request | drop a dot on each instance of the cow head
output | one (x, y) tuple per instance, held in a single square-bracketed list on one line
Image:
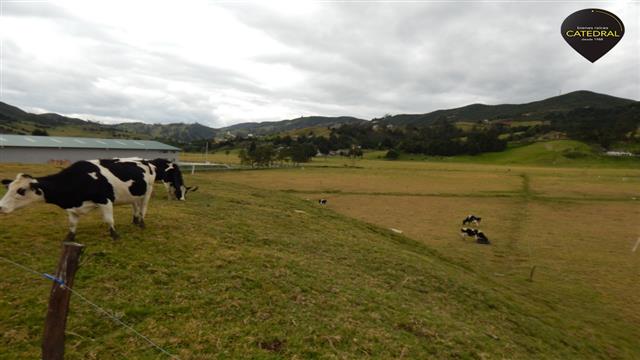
[(181, 191), (22, 191), (174, 177)]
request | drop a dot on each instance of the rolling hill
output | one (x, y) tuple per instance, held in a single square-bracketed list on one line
[(272, 127), (16, 121), (530, 111), (177, 132)]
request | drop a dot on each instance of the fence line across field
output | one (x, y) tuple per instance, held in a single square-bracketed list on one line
[(94, 305), (192, 167)]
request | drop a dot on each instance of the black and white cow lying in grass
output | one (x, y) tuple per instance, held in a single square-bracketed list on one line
[(84, 186), (464, 232), (169, 174), (480, 237), (471, 219)]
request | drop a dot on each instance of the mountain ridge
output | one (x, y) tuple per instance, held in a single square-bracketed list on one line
[(526, 111), (17, 121)]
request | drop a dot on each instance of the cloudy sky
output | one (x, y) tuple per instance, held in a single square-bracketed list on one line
[(220, 63)]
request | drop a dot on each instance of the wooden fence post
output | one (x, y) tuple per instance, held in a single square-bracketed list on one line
[(54, 327)]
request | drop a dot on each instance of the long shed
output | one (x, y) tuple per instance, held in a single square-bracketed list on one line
[(58, 149)]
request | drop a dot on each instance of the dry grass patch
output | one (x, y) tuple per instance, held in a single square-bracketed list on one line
[(376, 181), (588, 186), (591, 243)]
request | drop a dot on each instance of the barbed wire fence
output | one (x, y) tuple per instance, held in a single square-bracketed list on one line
[(97, 307)]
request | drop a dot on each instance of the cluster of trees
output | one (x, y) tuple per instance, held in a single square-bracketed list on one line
[(440, 137), (445, 139), (39, 132), (268, 154), (601, 126)]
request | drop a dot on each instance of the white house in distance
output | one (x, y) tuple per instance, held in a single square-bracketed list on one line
[(58, 149)]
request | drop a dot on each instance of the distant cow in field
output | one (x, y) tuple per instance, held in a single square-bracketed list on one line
[(467, 232), (168, 172), (481, 238), (84, 186), (471, 219), (322, 201)]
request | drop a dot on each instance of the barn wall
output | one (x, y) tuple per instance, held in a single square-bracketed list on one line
[(45, 155)]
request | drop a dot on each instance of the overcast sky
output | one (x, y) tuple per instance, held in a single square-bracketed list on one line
[(221, 63)]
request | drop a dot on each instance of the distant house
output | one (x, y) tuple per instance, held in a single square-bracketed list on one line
[(58, 149), (618, 153)]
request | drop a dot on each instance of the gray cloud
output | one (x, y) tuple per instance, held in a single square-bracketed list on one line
[(354, 59)]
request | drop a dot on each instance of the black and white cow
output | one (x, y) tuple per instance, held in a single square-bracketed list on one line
[(468, 232), (169, 173), (322, 201), (481, 238), (471, 219), (84, 186)]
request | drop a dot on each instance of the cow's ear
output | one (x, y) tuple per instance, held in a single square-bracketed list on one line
[(6, 182), (36, 188)]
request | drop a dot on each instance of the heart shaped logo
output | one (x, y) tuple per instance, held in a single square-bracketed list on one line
[(592, 32)]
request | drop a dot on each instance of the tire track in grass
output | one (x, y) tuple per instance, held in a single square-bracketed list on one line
[(512, 254), (481, 194)]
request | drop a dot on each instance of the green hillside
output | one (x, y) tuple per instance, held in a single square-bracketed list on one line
[(176, 132), (238, 272), (569, 153), (15, 121), (530, 111), (273, 127), (551, 153)]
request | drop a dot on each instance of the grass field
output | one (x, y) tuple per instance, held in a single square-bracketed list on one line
[(216, 157), (577, 226), (557, 153), (250, 266)]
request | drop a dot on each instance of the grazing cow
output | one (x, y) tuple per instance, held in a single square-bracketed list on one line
[(481, 238), (84, 186), (169, 173), (322, 201), (468, 232), (471, 219)]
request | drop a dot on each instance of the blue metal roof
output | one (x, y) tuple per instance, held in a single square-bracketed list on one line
[(27, 141)]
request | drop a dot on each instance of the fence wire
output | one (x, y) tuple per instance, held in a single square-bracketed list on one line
[(94, 305)]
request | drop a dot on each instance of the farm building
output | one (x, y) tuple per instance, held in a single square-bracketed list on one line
[(57, 149)]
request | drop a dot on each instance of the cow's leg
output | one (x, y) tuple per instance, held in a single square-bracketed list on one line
[(73, 225), (168, 187), (136, 213), (138, 205), (107, 216), (145, 204)]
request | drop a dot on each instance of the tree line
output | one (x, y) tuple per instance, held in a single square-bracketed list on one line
[(438, 138), (601, 126), (268, 154)]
